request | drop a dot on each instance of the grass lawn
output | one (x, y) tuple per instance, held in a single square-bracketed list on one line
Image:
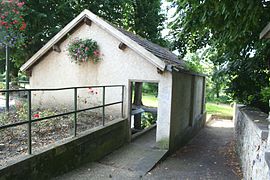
[(149, 100), (211, 108), (219, 109)]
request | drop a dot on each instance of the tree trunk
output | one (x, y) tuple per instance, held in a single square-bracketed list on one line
[(138, 103), (217, 94), (138, 94)]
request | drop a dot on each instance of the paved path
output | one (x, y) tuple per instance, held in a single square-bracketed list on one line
[(132, 161), (202, 158)]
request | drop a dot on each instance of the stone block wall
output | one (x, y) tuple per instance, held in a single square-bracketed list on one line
[(253, 145)]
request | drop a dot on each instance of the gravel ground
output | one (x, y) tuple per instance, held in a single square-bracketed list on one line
[(13, 141)]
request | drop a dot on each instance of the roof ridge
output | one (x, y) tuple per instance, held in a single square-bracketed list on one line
[(155, 54)]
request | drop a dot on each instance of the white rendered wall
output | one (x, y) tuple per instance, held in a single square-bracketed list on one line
[(116, 67)]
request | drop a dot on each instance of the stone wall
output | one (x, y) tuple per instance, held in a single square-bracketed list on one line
[(69, 154), (253, 145)]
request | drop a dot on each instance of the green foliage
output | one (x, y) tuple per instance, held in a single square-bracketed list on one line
[(193, 63), (146, 20), (265, 93), (4, 119), (148, 119), (2, 86), (21, 110), (224, 98), (231, 29), (42, 125), (83, 50), (150, 88), (216, 78)]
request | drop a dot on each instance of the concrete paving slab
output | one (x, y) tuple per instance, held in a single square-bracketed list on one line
[(132, 161)]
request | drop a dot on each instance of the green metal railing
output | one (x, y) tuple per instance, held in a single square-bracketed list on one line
[(30, 120)]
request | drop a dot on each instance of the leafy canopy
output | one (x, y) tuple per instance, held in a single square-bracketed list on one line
[(231, 29)]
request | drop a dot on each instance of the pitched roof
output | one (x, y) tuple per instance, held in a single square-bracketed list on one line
[(164, 54), (155, 54)]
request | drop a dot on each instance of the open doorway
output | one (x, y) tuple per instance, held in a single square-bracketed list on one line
[(144, 106)]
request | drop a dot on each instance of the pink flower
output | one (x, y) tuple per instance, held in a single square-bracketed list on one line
[(15, 22), (23, 26), (96, 53), (3, 23), (20, 4), (86, 49), (36, 115), (14, 10)]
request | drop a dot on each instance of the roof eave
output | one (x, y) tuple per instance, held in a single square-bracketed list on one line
[(105, 26), (126, 40), (52, 42), (265, 32)]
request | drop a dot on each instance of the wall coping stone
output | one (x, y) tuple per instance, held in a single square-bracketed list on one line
[(259, 120), (267, 158)]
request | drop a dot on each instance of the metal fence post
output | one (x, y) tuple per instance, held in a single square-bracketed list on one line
[(7, 78), (29, 123), (122, 104), (75, 111), (103, 106)]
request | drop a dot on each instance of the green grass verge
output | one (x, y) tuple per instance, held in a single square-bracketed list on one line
[(149, 100), (219, 109), (211, 108)]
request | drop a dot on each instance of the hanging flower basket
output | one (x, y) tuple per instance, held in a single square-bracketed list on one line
[(12, 23), (83, 51)]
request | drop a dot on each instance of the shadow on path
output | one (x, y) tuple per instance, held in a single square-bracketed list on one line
[(132, 161), (202, 158)]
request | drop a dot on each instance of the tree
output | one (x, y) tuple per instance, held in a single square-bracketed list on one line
[(146, 19), (11, 26), (46, 18), (231, 28)]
